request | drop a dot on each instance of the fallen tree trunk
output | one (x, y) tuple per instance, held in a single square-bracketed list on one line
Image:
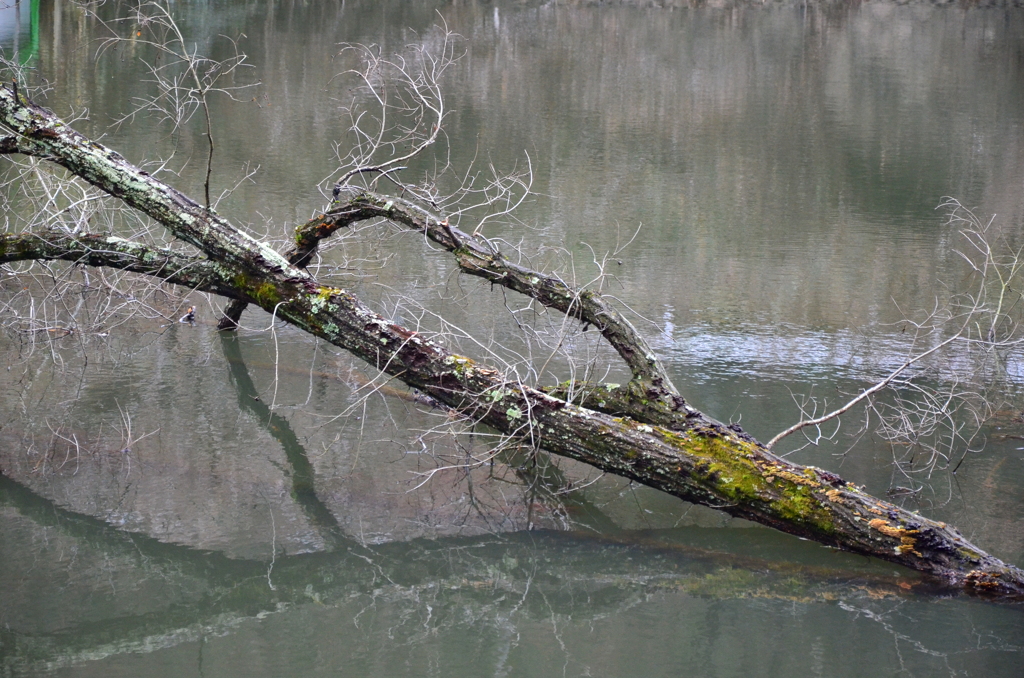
[(646, 432)]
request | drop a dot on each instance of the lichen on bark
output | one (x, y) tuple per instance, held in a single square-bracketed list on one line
[(646, 432)]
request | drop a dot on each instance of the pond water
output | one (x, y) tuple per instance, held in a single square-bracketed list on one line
[(177, 502)]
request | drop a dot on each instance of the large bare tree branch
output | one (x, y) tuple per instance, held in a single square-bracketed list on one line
[(480, 258), (114, 252), (704, 462), (41, 134)]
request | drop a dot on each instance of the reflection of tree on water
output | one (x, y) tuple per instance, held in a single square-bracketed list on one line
[(499, 583), (520, 579), (428, 590), (431, 602), (301, 472), (545, 483), (14, 15)]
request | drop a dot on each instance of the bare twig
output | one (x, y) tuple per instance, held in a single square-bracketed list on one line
[(935, 415)]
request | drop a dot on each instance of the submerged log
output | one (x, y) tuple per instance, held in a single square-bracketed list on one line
[(666, 445)]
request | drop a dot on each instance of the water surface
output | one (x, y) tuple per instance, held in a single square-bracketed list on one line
[(180, 503)]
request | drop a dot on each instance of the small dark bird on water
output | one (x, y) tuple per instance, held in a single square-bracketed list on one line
[(189, 317)]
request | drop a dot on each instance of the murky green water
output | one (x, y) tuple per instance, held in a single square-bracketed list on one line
[(179, 503)]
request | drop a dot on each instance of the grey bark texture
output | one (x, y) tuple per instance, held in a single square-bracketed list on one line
[(644, 431)]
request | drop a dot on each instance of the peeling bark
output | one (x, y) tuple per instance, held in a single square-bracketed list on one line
[(9, 145), (669, 447)]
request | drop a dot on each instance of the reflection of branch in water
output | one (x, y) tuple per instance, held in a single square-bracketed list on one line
[(142, 551), (544, 478), (553, 487), (302, 475), (201, 592), (899, 639), (493, 579)]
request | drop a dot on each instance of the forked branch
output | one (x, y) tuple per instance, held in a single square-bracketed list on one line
[(706, 463), (481, 258)]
